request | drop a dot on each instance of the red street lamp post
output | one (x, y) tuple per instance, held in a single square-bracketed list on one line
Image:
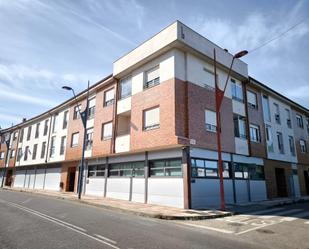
[(219, 94)]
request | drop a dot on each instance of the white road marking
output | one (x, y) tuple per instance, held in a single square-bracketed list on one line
[(59, 222), (28, 200), (296, 216), (257, 227), (208, 228), (265, 211), (290, 211), (104, 238), (307, 222)]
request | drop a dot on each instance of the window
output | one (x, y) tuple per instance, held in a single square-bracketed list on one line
[(152, 77), (208, 168), (307, 125), (292, 145), (37, 130), (55, 123), (15, 135), (12, 155), (19, 154), (125, 87), (96, 170), (269, 139), (299, 121), (63, 144), (152, 118), (240, 126), (277, 113), (1, 155), (241, 170), (288, 118), (52, 146), (266, 110), (255, 133), (29, 133), (127, 169), (168, 167), (210, 121), (237, 93), (252, 100), (89, 139), (107, 131), (26, 153), (303, 146), (91, 108), (109, 97), (65, 119), (45, 127), (76, 114), (34, 151), (43, 149), (256, 172), (21, 135), (280, 142), (74, 141)]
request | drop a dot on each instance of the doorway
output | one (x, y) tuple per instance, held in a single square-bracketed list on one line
[(8, 180), (306, 175), (281, 183), (71, 179)]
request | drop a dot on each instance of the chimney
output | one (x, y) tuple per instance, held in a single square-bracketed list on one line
[(24, 120), (226, 50)]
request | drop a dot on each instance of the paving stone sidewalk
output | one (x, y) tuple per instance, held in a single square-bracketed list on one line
[(141, 209)]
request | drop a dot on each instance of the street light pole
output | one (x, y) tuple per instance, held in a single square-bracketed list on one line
[(84, 117), (219, 95)]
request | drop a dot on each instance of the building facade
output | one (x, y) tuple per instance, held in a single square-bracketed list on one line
[(151, 132)]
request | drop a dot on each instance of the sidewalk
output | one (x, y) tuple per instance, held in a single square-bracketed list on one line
[(255, 206), (141, 209)]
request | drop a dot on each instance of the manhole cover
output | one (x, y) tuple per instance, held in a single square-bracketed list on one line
[(265, 231)]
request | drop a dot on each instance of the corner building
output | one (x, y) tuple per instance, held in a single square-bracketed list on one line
[(151, 132)]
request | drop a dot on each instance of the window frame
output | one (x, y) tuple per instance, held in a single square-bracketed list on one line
[(252, 105), (102, 131), (111, 101), (127, 95), (154, 126), (303, 147), (165, 168), (257, 133), (154, 82), (74, 145)]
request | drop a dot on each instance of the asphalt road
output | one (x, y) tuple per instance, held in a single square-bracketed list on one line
[(34, 221)]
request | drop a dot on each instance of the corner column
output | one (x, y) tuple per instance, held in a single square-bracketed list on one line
[(186, 174)]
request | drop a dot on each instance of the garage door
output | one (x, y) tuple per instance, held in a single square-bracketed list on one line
[(52, 179), (39, 179), (19, 178), (30, 176)]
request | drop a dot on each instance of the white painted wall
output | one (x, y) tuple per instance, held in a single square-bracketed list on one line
[(95, 186), (138, 190), (118, 188), (124, 105), (283, 128), (39, 180), (166, 191), (258, 190), (241, 146), (52, 179), (19, 178)]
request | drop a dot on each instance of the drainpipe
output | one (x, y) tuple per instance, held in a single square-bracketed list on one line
[(247, 117)]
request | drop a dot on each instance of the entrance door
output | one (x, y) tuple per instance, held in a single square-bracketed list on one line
[(306, 174), (8, 180), (71, 179), (281, 183)]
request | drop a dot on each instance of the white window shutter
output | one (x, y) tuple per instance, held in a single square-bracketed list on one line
[(251, 97), (152, 74), (91, 102), (109, 95), (210, 117), (152, 117), (108, 128)]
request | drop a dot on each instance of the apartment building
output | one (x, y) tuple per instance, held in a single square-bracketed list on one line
[(151, 132)]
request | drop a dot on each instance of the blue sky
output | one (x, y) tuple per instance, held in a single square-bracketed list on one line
[(46, 44)]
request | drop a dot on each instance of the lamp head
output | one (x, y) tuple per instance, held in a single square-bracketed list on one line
[(67, 88), (240, 54)]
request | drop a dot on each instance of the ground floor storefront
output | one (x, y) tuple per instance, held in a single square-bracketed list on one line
[(179, 177)]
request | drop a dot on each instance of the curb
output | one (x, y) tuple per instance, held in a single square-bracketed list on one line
[(138, 213)]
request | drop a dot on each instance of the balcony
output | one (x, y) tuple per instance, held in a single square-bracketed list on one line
[(122, 143), (124, 105)]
